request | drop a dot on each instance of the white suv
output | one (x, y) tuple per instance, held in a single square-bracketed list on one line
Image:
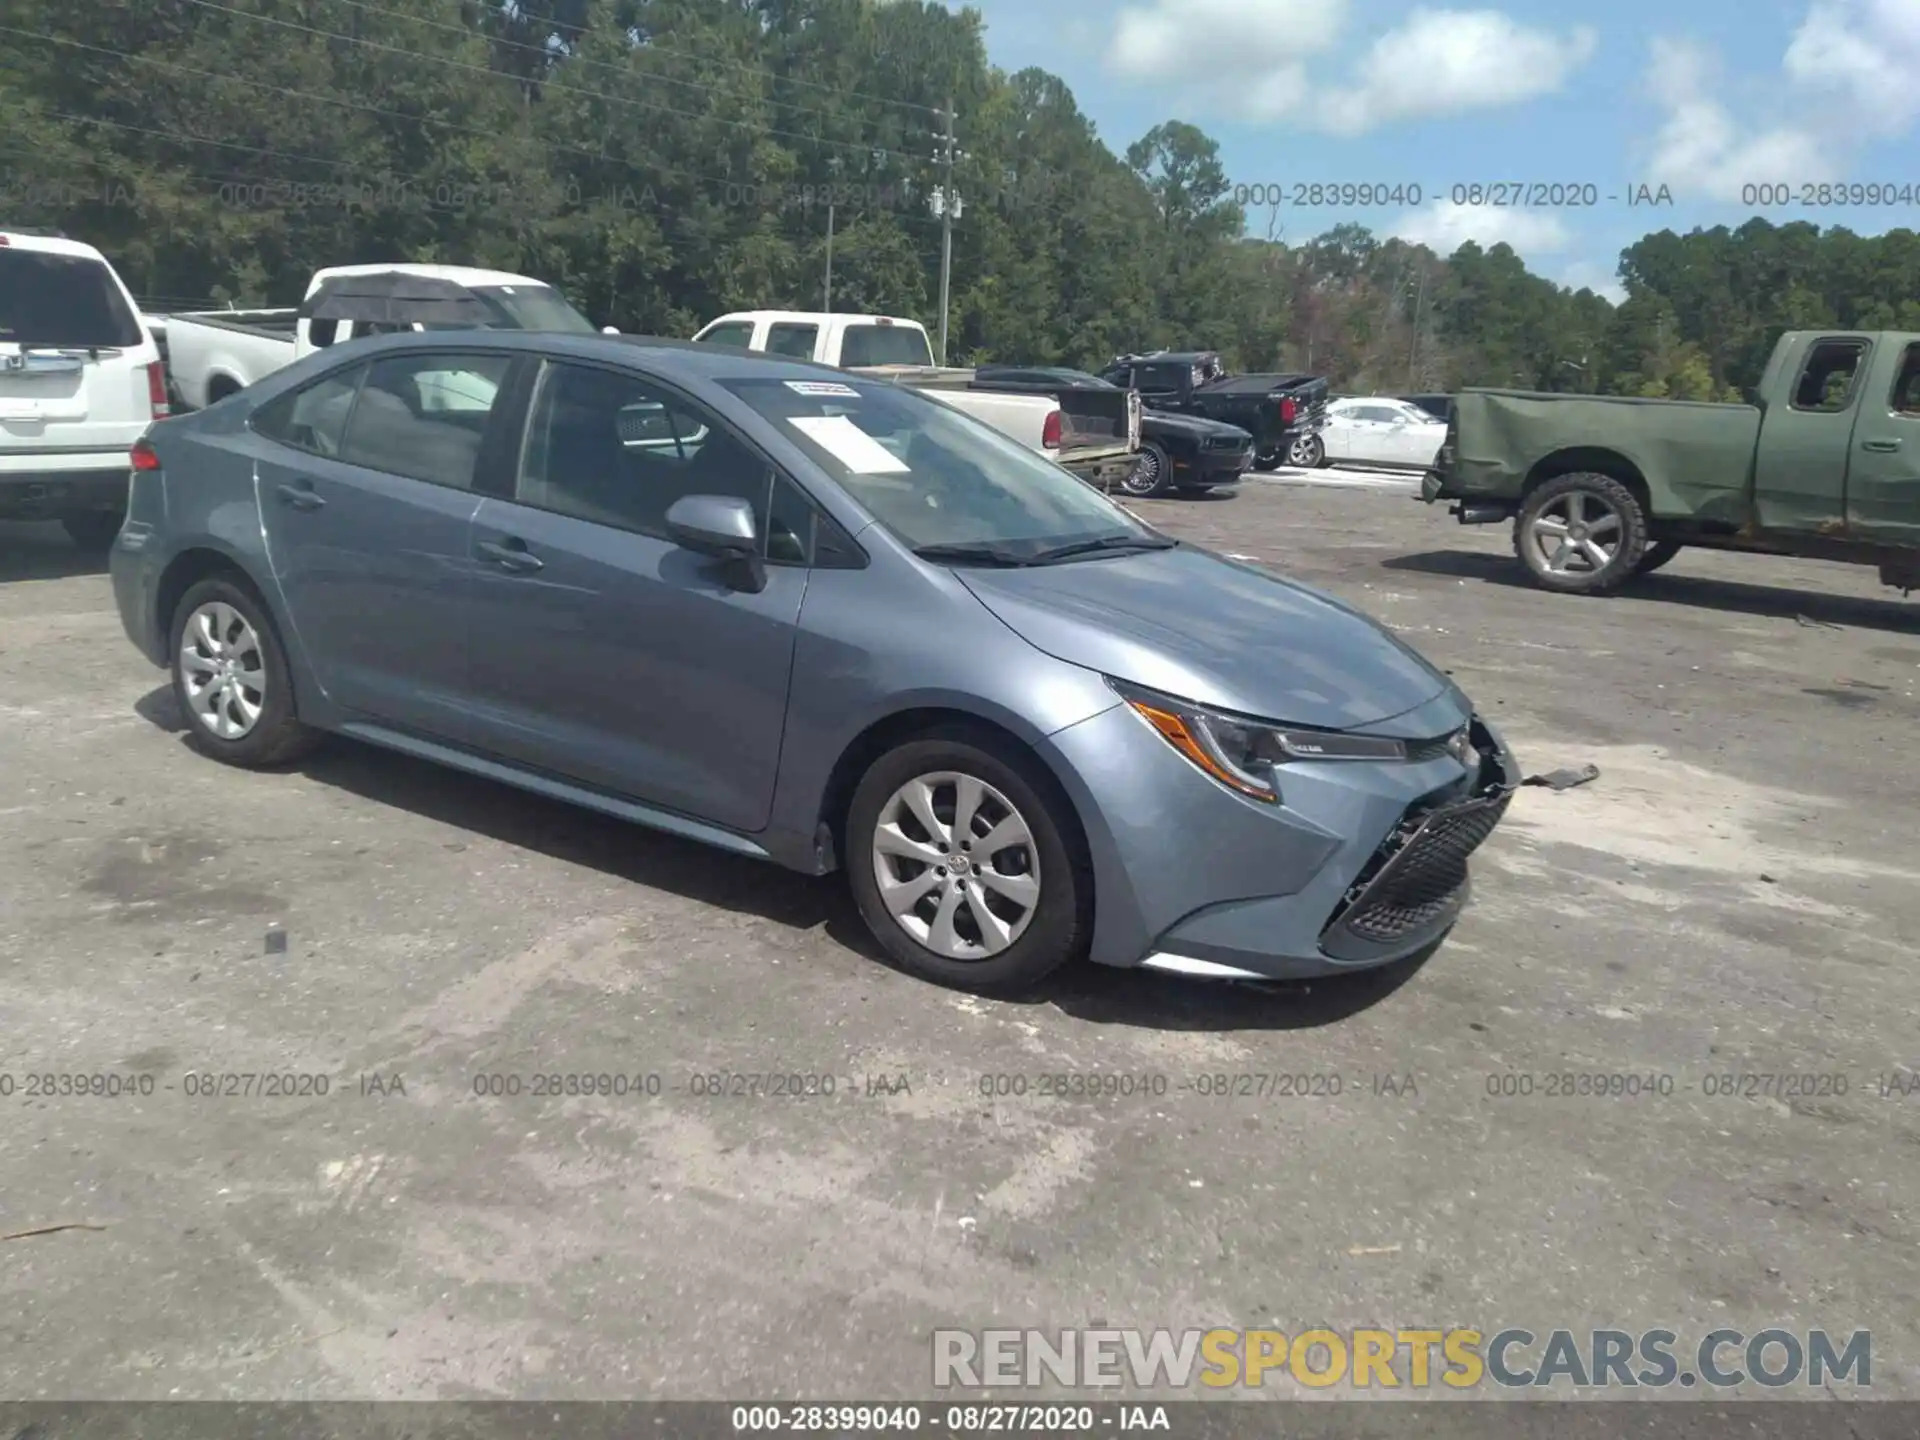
[(80, 380)]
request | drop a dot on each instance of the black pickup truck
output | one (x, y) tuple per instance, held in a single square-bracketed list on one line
[(1177, 452), (1283, 413)]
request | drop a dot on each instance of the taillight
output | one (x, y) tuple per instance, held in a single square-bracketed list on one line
[(144, 456), (157, 392), (1288, 409), (1050, 432)]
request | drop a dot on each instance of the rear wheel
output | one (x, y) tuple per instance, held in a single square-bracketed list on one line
[(966, 865), (1658, 554), (1307, 452), (92, 530), (1582, 534), (1267, 458), (1152, 469), (230, 678)]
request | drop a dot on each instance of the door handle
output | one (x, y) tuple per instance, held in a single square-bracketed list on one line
[(1880, 445), (511, 554), (301, 497)]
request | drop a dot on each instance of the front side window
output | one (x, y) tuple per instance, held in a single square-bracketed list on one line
[(735, 333), (424, 416), (614, 449), (313, 418), (932, 475), (1827, 380)]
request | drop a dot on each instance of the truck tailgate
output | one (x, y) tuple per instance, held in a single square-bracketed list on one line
[(1098, 422)]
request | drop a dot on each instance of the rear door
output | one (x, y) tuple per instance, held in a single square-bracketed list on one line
[(75, 357), (605, 652), (1883, 473), (1800, 469), (367, 493)]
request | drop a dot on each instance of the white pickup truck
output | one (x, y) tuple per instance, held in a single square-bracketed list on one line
[(214, 353), (1094, 433)]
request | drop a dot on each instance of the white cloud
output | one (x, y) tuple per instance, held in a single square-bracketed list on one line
[(1585, 275), (1441, 62), (1251, 59), (1848, 76), (1444, 227)]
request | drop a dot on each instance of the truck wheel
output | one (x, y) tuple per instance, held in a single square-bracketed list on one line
[(1308, 452), (92, 530), (1658, 554), (1582, 534), (1150, 473), (1265, 460)]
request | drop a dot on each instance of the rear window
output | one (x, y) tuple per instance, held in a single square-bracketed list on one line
[(64, 300), (884, 345)]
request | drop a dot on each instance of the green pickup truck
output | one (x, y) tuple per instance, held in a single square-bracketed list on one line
[(1825, 465)]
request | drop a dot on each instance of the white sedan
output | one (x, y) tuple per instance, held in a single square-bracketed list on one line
[(1377, 431)]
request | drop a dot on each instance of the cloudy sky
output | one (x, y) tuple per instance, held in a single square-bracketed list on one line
[(1705, 97)]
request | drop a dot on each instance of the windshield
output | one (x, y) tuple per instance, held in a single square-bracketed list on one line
[(884, 345), (64, 300), (932, 475), (532, 307)]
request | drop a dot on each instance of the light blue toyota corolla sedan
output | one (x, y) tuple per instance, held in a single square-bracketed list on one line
[(815, 618)]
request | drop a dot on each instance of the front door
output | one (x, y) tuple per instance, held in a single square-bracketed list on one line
[(1800, 470), (602, 650), (367, 495), (1883, 473)]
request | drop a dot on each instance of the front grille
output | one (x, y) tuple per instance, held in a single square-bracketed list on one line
[(1419, 873), (1225, 442)]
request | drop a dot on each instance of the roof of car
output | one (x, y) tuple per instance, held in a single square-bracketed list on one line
[(709, 362), (1171, 357), (48, 243)]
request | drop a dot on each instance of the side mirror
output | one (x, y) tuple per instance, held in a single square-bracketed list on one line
[(721, 526)]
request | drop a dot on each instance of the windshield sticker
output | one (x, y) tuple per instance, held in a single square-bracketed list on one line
[(849, 444), (823, 387)]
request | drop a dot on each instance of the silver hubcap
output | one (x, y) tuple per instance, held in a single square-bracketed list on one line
[(222, 671), (957, 866), (1146, 473), (1301, 451), (1576, 534)]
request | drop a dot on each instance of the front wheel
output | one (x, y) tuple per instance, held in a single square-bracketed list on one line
[(967, 866), (1581, 534), (230, 678), (1307, 452)]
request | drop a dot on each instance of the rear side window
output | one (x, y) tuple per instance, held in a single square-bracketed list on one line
[(883, 345), (1159, 379), (1828, 380), (425, 416), (796, 342), (737, 333), (313, 418), (64, 300)]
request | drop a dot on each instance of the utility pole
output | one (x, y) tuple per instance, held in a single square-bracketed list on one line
[(947, 205), (826, 291), (1413, 350)]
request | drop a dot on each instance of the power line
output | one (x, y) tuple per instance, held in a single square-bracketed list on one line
[(645, 105), (654, 46)]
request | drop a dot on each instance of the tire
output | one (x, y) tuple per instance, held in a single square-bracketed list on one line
[(1152, 472), (93, 530), (1658, 554), (1268, 459), (1309, 452), (275, 735), (1588, 510), (1015, 791)]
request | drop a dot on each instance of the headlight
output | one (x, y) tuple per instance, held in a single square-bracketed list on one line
[(1242, 753)]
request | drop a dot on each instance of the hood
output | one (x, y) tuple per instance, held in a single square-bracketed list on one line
[(1166, 422), (1190, 624)]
